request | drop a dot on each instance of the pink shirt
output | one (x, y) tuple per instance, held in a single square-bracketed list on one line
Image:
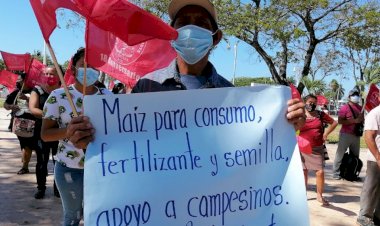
[(345, 113), (313, 129)]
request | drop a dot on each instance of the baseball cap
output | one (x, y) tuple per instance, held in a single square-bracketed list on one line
[(176, 5), (354, 90)]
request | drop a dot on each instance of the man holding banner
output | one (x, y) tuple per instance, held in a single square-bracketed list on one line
[(190, 70)]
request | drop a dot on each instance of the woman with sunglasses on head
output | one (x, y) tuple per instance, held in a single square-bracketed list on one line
[(57, 115)]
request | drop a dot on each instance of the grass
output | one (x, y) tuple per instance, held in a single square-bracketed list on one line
[(333, 138)]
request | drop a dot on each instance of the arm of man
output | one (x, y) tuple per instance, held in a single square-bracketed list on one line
[(33, 105), (370, 140)]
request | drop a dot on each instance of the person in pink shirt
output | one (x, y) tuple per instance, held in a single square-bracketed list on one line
[(314, 132), (348, 115)]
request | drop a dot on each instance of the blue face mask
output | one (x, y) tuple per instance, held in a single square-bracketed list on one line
[(193, 43), (91, 76)]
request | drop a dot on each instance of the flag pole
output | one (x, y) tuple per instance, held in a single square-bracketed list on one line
[(60, 74)]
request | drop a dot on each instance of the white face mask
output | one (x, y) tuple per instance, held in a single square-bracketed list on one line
[(355, 99)]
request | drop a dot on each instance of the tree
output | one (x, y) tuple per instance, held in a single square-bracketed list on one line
[(278, 29), (314, 86), (361, 45), (247, 81), (372, 74), (336, 91)]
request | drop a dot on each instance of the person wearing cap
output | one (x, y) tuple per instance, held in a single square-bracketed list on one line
[(198, 34), (349, 115)]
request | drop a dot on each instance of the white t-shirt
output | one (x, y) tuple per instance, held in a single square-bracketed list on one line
[(57, 107), (372, 122)]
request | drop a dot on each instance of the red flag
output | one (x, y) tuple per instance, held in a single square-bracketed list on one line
[(372, 100), (125, 63), (16, 62), (126, 21), (321, 100), (295, 93), (69, 75), (35, 76), (45, 13), (130, 23), (304, 145), (8, 79)]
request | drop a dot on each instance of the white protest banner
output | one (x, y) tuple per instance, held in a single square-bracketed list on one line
[(195, 157)]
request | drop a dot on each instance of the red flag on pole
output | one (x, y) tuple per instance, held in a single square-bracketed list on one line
[(69, 75), (8, 79), (35, 76), (121, 61), (45, 14), (127, 21), (372, 100), (295, 93), (16, 62)]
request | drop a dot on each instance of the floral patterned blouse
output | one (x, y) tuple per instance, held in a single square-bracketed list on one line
[(57, 108)]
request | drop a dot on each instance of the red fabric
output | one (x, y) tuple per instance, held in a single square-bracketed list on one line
[(295, 93), (130, 23), (304, 145), (8, 79), (346, 113), (125, 63), (321, 100), (69, 75), (45, 13), (313, 129), (372, 100), (34, 76), (126, 21), (16, 62)]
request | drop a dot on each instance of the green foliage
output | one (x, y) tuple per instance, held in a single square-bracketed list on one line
[(372, 74), (247, 81), (314, 86)]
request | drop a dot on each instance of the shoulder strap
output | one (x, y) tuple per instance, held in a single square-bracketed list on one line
[(352, 110), (40, 90)]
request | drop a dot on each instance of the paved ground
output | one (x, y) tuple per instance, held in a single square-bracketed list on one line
[(18, 206)]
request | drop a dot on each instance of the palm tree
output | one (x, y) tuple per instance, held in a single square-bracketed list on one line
[(314, 86), (337, 90), (372, 75)]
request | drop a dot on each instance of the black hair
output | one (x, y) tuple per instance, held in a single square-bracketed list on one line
[(79, 54), (23, 75), (309, 96), (117, 88)]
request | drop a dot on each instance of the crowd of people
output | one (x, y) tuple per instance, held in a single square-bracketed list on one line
[(58, 129)]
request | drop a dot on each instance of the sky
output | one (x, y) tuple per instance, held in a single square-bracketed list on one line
[(20, 33)]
